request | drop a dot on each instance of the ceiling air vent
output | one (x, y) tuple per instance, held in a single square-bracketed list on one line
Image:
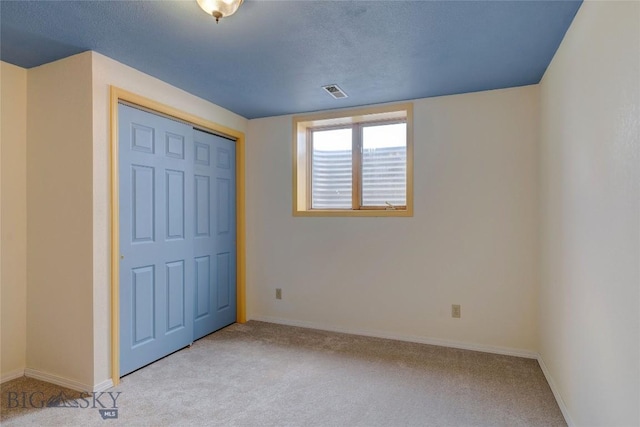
[(335, 91)]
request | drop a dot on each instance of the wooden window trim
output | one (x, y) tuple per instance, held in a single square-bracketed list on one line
[(356, 165), (357, 119)]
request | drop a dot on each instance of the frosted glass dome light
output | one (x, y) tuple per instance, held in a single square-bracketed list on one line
[(220, 8)]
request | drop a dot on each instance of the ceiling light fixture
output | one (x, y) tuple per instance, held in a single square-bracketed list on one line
[(220, 8)]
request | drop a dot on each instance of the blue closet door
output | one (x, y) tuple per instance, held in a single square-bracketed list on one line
[(214, 182), (177, 236), (156, 237)]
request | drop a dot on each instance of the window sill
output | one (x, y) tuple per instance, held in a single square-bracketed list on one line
[(360, 213)]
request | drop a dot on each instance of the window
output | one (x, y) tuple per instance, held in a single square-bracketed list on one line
[(354, 163)]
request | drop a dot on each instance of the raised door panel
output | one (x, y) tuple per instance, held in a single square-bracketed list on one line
[(176, 296), (143, 286), (203, 291), (202, 206), (175, 204)]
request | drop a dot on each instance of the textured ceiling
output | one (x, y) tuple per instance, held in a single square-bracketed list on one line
[(272, 57)]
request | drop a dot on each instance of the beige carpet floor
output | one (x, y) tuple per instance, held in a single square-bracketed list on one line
[(261, 374)]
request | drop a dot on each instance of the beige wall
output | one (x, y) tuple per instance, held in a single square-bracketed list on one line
[(472, 241), (68, 307), (108, 72), (68, 315), (590, 169), (13, 219), (59, 234)]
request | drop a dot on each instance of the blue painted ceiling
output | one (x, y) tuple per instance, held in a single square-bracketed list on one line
[(272, 57)]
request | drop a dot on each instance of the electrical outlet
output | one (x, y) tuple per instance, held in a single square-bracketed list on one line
[(455, 311), (278, 293)]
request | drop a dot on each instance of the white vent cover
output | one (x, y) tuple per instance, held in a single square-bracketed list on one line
[(335, 91)]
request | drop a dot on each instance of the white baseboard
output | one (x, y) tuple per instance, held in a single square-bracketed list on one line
[(57, 380), (104, 385), (556, 392), (401, 337), (11, 375)]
